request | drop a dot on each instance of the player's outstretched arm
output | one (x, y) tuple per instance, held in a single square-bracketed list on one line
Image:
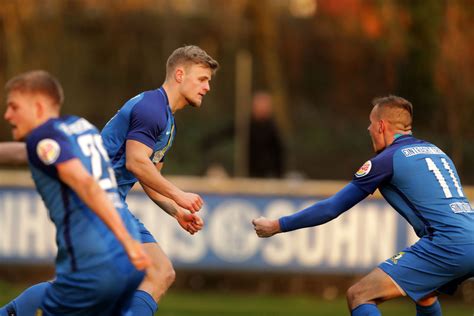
[(13, 153), (317, 214), (190, 222), (73, 173), (138, 162)]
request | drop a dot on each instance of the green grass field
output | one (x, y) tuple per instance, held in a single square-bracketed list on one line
[(218, 304)]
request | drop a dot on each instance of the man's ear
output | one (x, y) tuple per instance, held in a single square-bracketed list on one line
[(179, 74), (38, 107), (381, 126)]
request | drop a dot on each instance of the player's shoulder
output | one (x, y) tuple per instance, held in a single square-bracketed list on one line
[(419, 147), (379, 168), (75, 125), (398, 146), (61, 128), (152, 101), (383, 161), (49, 129), (46, 141), (152, 108)]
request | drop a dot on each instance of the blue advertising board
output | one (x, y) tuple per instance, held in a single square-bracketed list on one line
[(355, 242)]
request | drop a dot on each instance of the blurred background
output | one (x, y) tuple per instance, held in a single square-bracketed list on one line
[(321, 61), (290, 101)]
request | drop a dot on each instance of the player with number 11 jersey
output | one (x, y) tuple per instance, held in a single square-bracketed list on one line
[(431, 199), (421, 183)]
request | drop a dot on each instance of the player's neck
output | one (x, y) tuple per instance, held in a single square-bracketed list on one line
[(46, 117), (392, 136), (388, 138), (175, 99), (401, 133)]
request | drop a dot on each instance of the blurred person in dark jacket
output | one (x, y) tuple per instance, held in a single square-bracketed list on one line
[(265, 151)]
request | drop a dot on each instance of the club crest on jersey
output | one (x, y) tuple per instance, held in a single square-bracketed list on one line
[(364, 170), (158, 156), (48, 151), (397, 257)]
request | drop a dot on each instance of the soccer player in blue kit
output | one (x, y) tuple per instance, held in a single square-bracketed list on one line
[(99, 250), (137, 139), (421, 183)]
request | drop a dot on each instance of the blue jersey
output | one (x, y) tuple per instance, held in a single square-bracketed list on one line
[(146, 118), (83, 240), (421, 183)]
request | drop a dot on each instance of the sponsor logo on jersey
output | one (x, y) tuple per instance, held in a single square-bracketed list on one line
[(461, 207), (78, 127), (422, 150), (48, 151), (397, 257), (364, 170), (158, 155)]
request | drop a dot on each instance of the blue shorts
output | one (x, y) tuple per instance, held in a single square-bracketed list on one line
[(145, 235), (428, 267), (106, 290)]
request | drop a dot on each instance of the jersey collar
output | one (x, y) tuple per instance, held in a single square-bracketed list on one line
[(397, 136), (400, 137), (163, 92)]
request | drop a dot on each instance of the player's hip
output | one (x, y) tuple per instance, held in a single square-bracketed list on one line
[(92, 291), (452, 250), (437, 258), (83, 259), (419, 272)]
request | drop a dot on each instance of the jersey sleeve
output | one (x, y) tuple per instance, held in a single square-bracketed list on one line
[(48, 148), (373, 173), (146, 123), (325, 210)]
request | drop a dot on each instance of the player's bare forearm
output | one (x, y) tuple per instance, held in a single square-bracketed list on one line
[(192, 223), (96, 199), (144, 170), (13, 153), (139, 163), (166, 204), (73, 173)]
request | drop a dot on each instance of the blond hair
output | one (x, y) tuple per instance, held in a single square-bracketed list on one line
[(190, 55), (37, 81)]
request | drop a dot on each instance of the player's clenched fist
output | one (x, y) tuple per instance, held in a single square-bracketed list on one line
[(190, 201), (265, 227), (192, 223)]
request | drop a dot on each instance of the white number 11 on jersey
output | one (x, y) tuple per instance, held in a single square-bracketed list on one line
[(439, 176)]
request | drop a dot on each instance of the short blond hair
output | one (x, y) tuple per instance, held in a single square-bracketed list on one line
[(190, 54), (37, 81)]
